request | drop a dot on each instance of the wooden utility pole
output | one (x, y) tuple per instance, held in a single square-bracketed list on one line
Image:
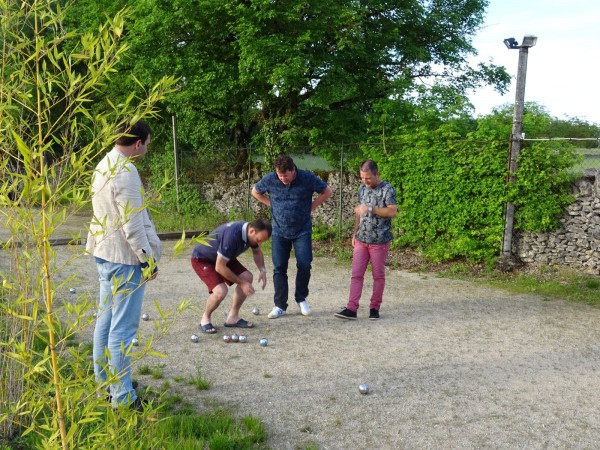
[(516, 137)]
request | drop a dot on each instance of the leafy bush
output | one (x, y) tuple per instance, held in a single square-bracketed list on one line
[(49, 141), (451, 186)]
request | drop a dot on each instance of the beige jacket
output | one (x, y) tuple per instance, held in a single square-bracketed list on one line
[(121, 230)]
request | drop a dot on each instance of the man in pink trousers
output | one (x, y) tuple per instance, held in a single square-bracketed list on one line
[(371, 238)]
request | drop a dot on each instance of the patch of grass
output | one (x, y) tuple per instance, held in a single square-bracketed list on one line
[(215, 430), (303, 161), (172, 401), (178, 426), (156, 372), (566, 285), (169, 220), (344, 254), (198, 380), (548, 282), (591, 160)]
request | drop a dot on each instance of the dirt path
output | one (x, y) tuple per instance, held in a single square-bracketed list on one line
[(450, 364)]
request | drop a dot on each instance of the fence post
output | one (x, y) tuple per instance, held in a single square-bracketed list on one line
[(341, 188), (176, 164), (248, 188)]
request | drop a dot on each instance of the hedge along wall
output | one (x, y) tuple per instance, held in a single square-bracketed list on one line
[(577, 243)]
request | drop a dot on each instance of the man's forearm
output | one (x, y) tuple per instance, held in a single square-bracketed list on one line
[(261, 198), (321, 198), (386, 211)]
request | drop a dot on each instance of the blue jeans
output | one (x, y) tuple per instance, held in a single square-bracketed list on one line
[(119, 311), (281, 250)]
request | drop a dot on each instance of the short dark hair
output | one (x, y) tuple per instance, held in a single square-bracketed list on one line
[(130, 134), (284, 163), (261, 225), (369, 166)]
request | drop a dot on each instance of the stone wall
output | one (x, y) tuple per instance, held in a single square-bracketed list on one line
[(233, 197), (577, 243)]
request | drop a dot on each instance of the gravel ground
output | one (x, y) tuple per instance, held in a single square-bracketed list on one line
[(450, 365)]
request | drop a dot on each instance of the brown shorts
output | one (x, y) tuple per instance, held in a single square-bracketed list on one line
[(211, 278)]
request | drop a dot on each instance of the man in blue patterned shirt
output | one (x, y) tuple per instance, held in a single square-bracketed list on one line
[(288, 192), (371, 238)]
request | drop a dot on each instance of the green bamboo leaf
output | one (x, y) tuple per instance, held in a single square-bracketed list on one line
[(24, 150)]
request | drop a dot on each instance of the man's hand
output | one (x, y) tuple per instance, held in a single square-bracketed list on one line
[(262, 279), (361, 210), (247, 288), (149, 272)]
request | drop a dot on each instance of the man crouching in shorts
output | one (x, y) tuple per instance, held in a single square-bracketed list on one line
[(217, 266)]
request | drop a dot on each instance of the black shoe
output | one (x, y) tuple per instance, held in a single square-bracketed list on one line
[(346, 314), (373, 314), (134, 385)]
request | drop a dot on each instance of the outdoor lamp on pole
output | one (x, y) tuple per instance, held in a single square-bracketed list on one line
[(517, 132)]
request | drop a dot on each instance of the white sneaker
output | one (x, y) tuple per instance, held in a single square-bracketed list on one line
[(276, 313), (304, 308)]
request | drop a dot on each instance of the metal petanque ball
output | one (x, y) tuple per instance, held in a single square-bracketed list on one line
[(195, 338), (135, 342), (243, 339), (256, 311), (72, 290), (363, 388), (145, 316), (264, 342), (227, 339), (235, 338)]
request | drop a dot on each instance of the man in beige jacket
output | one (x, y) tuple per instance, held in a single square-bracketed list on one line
[(124, 242)]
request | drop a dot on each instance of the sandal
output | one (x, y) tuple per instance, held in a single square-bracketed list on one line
[(240, 324), (208, 328)]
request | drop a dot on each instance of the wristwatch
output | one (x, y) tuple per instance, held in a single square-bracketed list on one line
[(263, 270), (370, 209)]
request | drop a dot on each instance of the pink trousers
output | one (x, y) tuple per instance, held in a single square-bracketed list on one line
[(363, 253)]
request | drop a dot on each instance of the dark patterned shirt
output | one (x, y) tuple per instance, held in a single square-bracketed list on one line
[(374, 229), (291, 204)]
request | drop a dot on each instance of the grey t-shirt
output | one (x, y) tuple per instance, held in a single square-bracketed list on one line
[(374, 229)]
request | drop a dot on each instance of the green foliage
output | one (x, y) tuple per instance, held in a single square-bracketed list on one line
[(214, 430), (292, 73), (155, 372), (451, 183), (199, 381), (323, 232), (542, 189), (548, 282), (50, 139), (584, 133)]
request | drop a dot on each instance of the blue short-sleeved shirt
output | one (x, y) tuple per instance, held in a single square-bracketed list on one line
[(228, 240), (291, 205)]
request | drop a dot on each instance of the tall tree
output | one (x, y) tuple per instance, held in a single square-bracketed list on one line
[(306, 73)]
